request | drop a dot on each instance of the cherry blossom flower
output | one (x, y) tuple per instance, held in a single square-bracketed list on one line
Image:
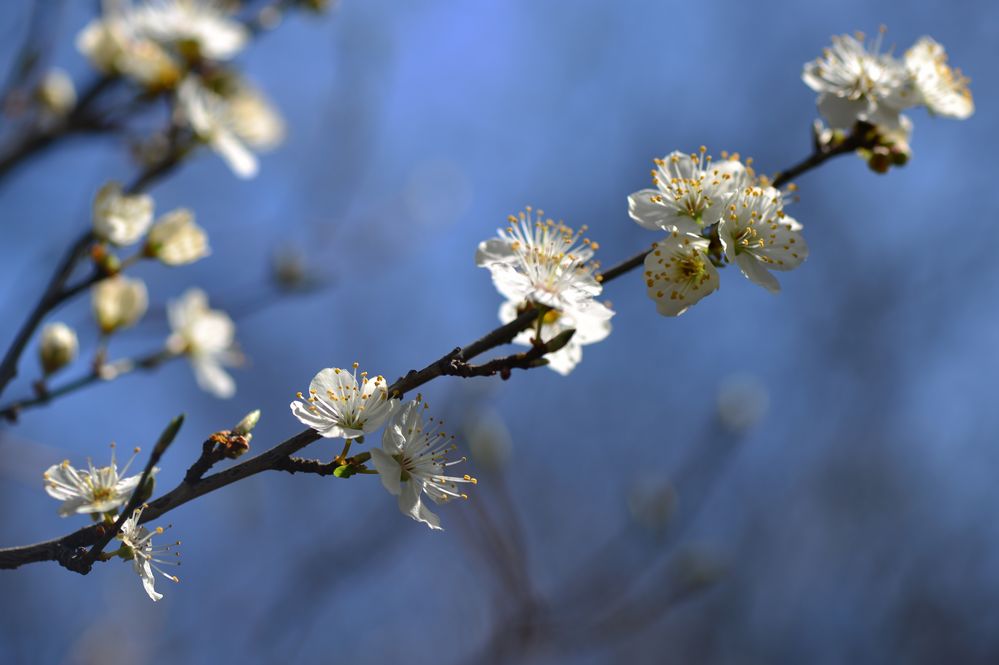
[(175, 239), (137, 546), (207, 337), (943, 90), (119, 218), (690, 191), (232, 121), (678, 273), (540, 260), (759, 237), (413, 461), (856, 83), (91, 490), (338, 406)]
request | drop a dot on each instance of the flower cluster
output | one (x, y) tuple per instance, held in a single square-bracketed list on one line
[(204, 335), (100, 492), (413, 458), (860, 83), (181, 46), (712, 213), (539, 262)]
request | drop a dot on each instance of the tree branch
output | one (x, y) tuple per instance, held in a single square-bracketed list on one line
[(66, 549)]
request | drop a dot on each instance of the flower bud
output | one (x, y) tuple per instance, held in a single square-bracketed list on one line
[(56, 93), (118, 302), (176, 239), (246, 425), (58, 347)]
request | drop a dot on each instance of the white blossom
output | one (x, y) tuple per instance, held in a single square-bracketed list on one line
[(540, 260), (195, 28), (413, 461), (591, 321), (91, 490), (942, 89), (856, 83), (119, 302), (231, 122), (175, 239), (678, 273), (57, 347), (690, 191), (114, 46), (119, 218), (137, 545), (340, 407), (207, 337), (759, 237)]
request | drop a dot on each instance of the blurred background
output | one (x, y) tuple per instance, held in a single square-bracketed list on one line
[(802, 478)]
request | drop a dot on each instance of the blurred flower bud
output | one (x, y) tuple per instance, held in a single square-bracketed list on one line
[(488, 440), (119, 302), (879, 160), (58, 347), (56, 93), (176, 239), (743, 400)]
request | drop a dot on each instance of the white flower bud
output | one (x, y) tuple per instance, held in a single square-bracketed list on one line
[(58, 347), (56, 92), (118, 302), (119, 218), (176, 239)]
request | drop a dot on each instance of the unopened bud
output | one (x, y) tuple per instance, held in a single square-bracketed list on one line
[(559, 340), (58, 347), (246, 425), (56, 93)]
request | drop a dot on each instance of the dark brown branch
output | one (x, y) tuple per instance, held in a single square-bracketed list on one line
[(120, 368)]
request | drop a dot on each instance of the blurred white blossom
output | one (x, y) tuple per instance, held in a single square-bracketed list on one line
[(119, 302), (115, 46), (58, 347), (207, 337), (759, 237), (231, 120), (119, 218), (942, 89), (338, 406), (413, 461), (91, 490), (175, 239), (194, 28), (137, 546)]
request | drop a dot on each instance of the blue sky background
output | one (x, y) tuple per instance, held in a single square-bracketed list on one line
[(855, 521)]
